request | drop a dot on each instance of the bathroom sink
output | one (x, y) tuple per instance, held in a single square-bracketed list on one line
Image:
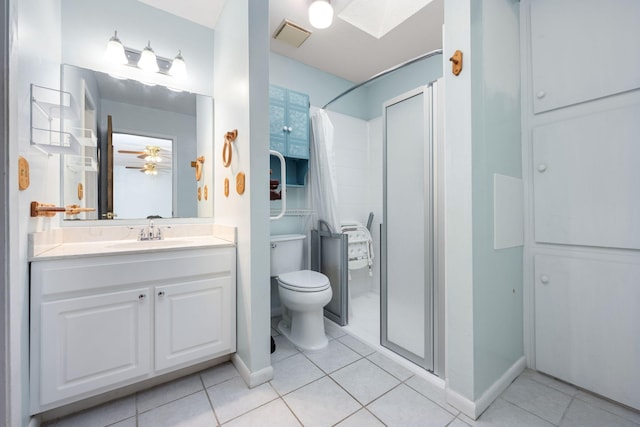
[(144, 244)]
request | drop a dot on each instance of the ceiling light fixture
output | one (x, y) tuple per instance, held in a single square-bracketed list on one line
[(115, 50), (148, 60), (321, 14)]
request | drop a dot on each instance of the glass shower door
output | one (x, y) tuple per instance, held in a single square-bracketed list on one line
[(407, 230)]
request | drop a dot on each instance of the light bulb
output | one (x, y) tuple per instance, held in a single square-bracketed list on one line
[(178, 67), (148, 61), (320, 14), (115, 50)]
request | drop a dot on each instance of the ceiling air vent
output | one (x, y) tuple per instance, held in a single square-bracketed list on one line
[(291, 33)]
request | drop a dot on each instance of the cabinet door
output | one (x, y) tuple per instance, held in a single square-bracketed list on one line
[(586, 179), (568, 37), (586, 322), (298, 125), (193, 321), (277, 119), (91, 342)]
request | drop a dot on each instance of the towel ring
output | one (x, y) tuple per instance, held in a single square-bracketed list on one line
[(227, 152)]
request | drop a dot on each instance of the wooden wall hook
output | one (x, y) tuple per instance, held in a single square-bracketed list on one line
[(198, 165), (456, 62), (227, 152)]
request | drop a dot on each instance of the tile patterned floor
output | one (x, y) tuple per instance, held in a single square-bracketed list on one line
[(346, 385)]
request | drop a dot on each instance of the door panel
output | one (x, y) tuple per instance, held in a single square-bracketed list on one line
[(75, 358), (586, 321), (192, 320), (586, 175), (577, 56), (407, 279)]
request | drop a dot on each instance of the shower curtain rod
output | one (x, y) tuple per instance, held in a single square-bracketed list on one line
[(384, 73)]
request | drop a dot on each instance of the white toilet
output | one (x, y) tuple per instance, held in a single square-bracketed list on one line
[(303, 293)]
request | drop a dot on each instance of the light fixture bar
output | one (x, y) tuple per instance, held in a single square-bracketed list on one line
[(117, 53), (133, 56)]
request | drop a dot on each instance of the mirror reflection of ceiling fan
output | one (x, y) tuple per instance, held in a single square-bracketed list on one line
[(151, 154), (151, 168)]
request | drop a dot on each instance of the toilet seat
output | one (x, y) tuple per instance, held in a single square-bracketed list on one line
[(304, 281)]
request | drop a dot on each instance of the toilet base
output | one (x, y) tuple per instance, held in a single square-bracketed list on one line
[(305, 330)]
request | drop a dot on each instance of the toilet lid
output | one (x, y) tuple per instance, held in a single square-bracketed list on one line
[(304, 281)]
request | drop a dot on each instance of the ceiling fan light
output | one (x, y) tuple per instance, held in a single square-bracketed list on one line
[(321, 14), (178, 67), (148, 61), (115, 50)]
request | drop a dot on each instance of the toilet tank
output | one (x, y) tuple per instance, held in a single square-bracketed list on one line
[(287, 253)]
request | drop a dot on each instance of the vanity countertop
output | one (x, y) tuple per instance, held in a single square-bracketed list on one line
[(59, 244)]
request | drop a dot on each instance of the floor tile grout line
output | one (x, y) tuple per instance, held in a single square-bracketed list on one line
[(552, 387), (427, 397), (215, 415), (606, 401), (564, 413), (347, 391), (291, 410), (168, 402), (278, 397), (524, 409)]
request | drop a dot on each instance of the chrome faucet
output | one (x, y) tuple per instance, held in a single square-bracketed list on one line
[(150, 232)]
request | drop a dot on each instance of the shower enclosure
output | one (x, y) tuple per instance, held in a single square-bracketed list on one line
[(411, 237), (391, 164)]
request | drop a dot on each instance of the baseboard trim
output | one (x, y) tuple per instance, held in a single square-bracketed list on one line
[(474, 409), (253, 379)]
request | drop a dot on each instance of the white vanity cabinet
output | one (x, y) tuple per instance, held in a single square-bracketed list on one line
[(192, 320), (102, 322)]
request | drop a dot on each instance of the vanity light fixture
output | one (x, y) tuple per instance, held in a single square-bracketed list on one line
[(178, 67), (115, 50), (148, 60), (321, 14)]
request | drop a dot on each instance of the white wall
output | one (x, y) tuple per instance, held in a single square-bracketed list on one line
[(34, 58), (4, 216), (241, 79), (354, 177), (458, 204), (204, 138), (483, 286), (88, 25)]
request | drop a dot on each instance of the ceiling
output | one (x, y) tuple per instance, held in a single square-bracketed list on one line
[(341, 49)]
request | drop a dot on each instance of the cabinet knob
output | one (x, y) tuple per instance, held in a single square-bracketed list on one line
[(542, 167), (544, 279), (289, 129), (161, 293), (541, 94), (284, 128), (141, 297)]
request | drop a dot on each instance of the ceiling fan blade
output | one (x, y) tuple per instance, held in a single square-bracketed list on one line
[(130, 152), (133, 167)]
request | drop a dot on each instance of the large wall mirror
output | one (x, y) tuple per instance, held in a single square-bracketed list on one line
[(147, 135), (137, 145)]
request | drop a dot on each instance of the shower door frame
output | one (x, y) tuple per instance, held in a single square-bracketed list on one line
[(433, 359)]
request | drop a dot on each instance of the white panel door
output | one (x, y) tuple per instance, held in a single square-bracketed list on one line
[(193, 321), (586, 177), (583, 50), (91, 342), (587, 317), (407, 229)]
